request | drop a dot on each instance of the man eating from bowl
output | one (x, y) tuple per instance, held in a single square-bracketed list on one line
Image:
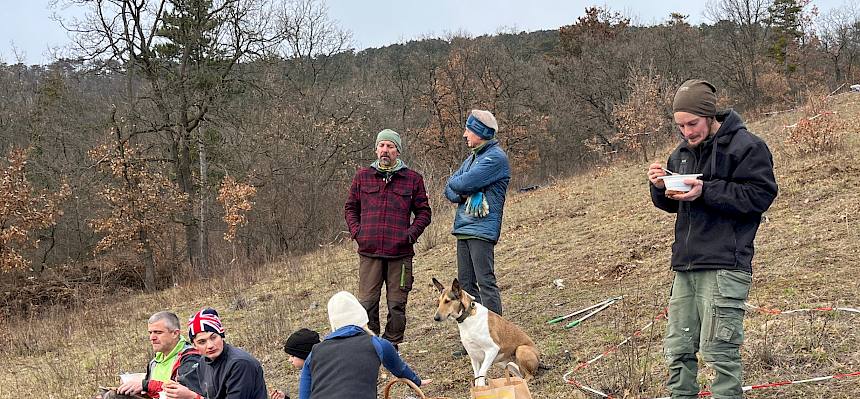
[(716, 224), (175, 359)]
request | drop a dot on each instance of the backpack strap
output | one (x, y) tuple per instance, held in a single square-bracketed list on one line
[(178, 362)]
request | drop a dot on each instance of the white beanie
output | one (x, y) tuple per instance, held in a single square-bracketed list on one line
[(345, 310), (487, 118)]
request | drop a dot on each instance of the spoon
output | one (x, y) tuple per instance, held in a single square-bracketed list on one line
[(668, 171)]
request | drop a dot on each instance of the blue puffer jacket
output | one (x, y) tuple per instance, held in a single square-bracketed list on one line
[(487, 171)]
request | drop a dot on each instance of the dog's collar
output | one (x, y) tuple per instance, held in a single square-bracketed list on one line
[(464, 313)]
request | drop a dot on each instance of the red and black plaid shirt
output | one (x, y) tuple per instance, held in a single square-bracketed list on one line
[(378, 213)]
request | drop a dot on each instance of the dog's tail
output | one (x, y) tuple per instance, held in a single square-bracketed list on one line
[(515, 369)]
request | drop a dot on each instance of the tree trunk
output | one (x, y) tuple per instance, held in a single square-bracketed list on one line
[(837, 70), (183, 176), (204, 173), (148, 261)]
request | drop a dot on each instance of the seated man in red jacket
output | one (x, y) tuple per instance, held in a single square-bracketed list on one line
[(175, 359)]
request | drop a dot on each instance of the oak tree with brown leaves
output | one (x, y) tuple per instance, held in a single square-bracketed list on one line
[(140, 203), (641, 116), (23, 211), (235, 197)]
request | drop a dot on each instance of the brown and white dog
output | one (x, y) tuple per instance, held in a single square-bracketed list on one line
[(488, 338)]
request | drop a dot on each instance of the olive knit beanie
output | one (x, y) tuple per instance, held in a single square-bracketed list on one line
[(697, 97)]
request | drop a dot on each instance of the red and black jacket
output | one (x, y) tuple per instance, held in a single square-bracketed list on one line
[(184, 372), (380, 209)]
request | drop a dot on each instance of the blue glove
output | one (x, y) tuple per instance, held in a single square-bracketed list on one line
[(477, 206)]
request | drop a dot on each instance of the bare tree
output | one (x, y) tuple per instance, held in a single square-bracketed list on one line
[(590, 69), (179, 57), (740, 42), (839, 32), (308, 127)]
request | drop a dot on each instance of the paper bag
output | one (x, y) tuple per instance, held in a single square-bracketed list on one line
[(503, 388)]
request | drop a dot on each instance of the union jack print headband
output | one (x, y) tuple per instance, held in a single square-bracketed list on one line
[(205, 320)]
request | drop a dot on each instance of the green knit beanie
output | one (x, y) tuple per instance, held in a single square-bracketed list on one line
[(697, 97), (392, 136)]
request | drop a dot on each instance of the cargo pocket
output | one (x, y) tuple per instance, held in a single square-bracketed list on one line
[(729, 308), (728, 325), (406, 276), (734, 285)]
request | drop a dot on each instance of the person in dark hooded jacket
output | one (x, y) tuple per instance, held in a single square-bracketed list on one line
[(225, 371), (716, 224)]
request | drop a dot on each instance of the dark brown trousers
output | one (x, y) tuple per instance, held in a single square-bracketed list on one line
[(397, 276)]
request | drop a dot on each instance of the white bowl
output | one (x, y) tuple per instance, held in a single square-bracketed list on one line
[(129, 377), (676, 182)]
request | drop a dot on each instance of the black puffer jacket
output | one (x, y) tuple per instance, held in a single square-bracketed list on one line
[(717, 230)]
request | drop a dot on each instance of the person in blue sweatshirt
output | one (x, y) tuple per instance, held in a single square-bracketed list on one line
[(346, 363)]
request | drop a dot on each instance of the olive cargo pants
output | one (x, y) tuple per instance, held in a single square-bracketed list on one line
[(706, 312)]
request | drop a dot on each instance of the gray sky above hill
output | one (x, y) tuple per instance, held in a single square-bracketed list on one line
[(28, 32)]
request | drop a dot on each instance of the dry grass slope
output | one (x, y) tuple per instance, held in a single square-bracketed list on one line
[(598, 232)]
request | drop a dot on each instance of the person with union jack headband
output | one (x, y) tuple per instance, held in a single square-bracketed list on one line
[(225, 372)]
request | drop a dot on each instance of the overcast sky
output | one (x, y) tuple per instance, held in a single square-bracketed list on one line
[(27, 30)]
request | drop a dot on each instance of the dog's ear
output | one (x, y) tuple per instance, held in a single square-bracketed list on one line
[(438, 285), (455, 286)]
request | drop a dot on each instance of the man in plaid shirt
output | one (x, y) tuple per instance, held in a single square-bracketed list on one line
[(379, 212)]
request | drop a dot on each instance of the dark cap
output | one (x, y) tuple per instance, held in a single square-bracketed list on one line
[(697, 97), (300, 343)]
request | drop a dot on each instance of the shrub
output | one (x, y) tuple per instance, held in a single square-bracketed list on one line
[(820, 130)]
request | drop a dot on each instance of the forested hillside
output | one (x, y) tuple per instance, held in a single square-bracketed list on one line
[(218, 135), (598, 232)]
